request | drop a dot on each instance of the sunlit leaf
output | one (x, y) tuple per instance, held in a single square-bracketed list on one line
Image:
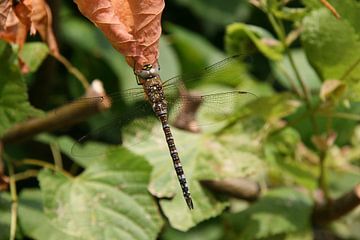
[(239, 35), (206, 206), (84, 156), (111, 193), (33, 221), (210, 230), (335, 57), (341, 181), (280, 211), (285, 162), (286, 74), (33, 54), (347, 227), (203, 157)]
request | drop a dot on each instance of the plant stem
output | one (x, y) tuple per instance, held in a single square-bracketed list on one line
[(280, 31), (56, 155), (72, 69), (25, 175), (351, 68), (14, 199), (66, 115), (322, 181), (342, 115), (45, 165)]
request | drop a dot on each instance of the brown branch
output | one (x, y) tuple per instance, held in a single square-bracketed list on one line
[(238, 187), (64, 116), (333, 210), (331, 8)]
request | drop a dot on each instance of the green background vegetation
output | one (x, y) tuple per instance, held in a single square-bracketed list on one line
[(281, 139)]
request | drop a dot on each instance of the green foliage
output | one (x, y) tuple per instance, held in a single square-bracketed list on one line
[(279, 212), (14, 106), (33, 54), (296, 134), (95, 205), (333, 46), (216, 11), (85, 156), (239, 35), (5, 213), (193, 51), (286, 75), (32, 220)]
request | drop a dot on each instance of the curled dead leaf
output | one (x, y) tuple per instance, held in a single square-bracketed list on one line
[(5, 7), (20, 18), (133, 27)]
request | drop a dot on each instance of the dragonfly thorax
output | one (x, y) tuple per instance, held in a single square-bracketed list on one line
[(153, 89)]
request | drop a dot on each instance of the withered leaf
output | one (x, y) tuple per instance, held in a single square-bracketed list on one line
[(133, 27)]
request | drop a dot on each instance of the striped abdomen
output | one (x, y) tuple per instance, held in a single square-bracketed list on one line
[(176, 161)]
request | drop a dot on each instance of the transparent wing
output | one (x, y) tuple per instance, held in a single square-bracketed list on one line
[(230, 70), (135, 124), (214, 107), (192, 112)]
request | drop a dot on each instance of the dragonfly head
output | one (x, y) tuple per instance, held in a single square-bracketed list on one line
[(146, 72)]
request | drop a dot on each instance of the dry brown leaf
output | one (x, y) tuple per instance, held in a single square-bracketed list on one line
[(9, 31), (25, 16), (5, 7), (133, 27), (36, 16)]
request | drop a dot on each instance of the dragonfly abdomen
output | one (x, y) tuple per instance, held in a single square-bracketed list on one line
[(176, 161)]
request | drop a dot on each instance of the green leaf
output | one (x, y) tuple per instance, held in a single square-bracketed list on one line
[(347, 227), (290, 14), (280, 211), (239, 35), (194, 51), (32, 220), (14, 105), (111, 193), (341, 181), (217, 11), (333, 46), (269, 109), (33, 54), (285, 164), (205, 206), (286, 75), (209, 230), (313, 4), (203, 157), (86, 155), (5, 213)]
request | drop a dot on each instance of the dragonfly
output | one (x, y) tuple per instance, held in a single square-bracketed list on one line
[(162, 96)]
